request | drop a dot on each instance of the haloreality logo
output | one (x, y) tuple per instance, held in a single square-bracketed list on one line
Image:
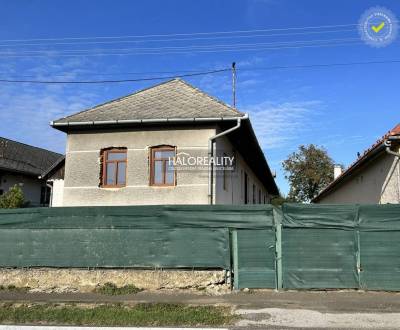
[(186, 162)]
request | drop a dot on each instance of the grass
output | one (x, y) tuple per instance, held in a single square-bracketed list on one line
[(112, 290), (116, 315), (13, 288)]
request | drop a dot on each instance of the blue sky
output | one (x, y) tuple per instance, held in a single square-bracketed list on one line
[(345, 109)]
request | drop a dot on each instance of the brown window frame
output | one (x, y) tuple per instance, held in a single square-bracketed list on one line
[(105, 161), (153, 150)]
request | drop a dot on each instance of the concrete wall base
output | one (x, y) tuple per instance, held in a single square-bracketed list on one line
[(82, 280)]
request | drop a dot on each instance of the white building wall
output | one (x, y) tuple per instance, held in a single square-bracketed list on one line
[(378, 183), (57, 193), (234, 189), (82, 168)]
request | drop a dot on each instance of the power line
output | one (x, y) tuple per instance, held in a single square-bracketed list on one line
[(184, 34), (177, 39), (189, 48), (178, 73), (322, 65), (187, 51), (110, 81), (200, 73)]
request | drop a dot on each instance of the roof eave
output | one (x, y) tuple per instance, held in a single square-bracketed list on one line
[(59, 125), (45, 174), (17, 171)]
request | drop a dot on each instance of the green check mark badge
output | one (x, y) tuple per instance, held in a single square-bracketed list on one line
[(377, 28)]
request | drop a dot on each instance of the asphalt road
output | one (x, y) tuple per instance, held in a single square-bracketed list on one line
[(323, 301), (263, 309)]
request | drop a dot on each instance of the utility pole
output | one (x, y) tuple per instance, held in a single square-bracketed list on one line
[(234, 84)]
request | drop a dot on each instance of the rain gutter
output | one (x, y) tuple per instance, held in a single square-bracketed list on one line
[(211, 154)]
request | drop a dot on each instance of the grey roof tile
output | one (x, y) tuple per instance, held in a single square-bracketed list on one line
[(172, 99), (20, 157)]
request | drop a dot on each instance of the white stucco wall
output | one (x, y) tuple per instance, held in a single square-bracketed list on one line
[(81, 186), (378, 182), (234, 192), (57, 194), (82, 170), (30, 186)]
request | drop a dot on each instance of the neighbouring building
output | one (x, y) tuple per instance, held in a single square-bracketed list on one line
[(54, 177), (155, 146), (373, 178), (22, 164)]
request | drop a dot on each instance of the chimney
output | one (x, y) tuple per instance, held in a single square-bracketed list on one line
[(337, 171)]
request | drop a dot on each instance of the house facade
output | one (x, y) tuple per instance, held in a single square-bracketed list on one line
[(163, 145), (373, 178), (22, 164)]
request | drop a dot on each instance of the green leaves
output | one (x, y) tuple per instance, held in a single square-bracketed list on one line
[(12, 199), (309, 170)]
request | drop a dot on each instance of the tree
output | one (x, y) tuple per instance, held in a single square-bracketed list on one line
[(280, 200), (12, 199), (308, 170)]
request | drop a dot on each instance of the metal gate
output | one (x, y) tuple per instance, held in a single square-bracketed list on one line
[(254, 258)]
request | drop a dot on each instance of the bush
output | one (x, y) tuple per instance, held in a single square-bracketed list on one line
[(12, 199)]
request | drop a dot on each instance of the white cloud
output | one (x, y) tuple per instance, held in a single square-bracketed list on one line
[(277, 125), (27, 109)]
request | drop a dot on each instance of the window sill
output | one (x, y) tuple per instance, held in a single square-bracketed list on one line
[(112, 188)]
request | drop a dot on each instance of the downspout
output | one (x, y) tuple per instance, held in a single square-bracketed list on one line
[(51, 193), (211, 154), (388, 144)]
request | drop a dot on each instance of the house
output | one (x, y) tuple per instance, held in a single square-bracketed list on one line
[(22, 164), (373, 178), (167, 144)]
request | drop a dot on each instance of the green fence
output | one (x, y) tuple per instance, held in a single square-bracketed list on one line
[(319, 247), (379, 238), (341, 246), (138, 236), (298, 247), (254, 258)]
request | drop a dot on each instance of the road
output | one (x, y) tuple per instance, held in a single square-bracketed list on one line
[(262, 309)]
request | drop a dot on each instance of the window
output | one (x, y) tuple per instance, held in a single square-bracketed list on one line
[(259, 196), (45, 195), (162, 172), (254, 193), (114, 168)]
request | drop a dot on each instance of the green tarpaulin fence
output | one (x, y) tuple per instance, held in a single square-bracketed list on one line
[(379, 231), (341, 246), (137, 236), (298, 247), (319, 246), (254, 257)]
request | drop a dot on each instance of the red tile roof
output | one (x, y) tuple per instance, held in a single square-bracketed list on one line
[(361, 159), (395, 130)]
